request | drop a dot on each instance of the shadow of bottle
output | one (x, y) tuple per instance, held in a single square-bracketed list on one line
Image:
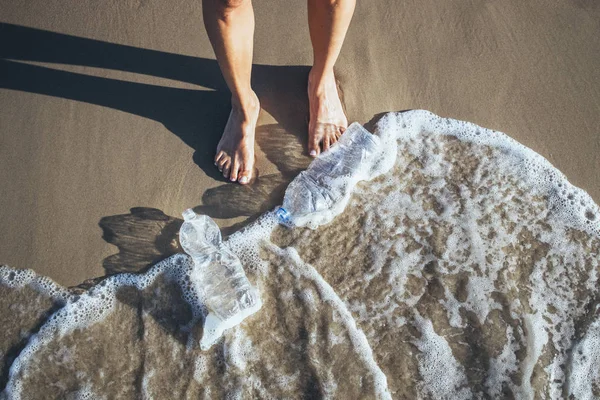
[(196, 116), (144, 237)]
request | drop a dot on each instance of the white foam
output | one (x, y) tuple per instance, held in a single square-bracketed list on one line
[(85, 393), (537, 337), (95, 305), (502, 367), (361, 345), (571, 204), (20, 278), (443, 376), (247, 242), (585, 366)]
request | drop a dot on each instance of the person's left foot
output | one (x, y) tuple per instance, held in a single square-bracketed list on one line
[(235, 152), (327, 118)]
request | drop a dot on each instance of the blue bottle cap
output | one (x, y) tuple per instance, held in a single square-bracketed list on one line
[(283, 215)]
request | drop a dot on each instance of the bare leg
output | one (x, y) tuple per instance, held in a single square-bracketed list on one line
[(230, 27), (328, 22)]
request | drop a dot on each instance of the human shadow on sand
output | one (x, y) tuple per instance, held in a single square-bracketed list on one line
[(196, 116)]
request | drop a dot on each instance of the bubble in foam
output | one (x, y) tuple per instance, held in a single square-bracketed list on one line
[(584, 379), (443, 376), (19, 278), (200, 368), (84, 393), (247, 242)]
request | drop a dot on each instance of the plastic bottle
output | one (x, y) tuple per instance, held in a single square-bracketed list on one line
[(316, 195), (218, 275)]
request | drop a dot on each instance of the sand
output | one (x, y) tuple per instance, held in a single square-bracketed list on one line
[(110, 113)]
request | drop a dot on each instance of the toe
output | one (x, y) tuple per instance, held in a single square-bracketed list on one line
[(233, 176), (314, 137), (226, 168), (245, 176), (221, 163), (335, 136), (334, 139), (313, 148), (326, 143), (219, 156)]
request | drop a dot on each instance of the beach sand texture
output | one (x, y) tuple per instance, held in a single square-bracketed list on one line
[(453, 275), (103, 145)]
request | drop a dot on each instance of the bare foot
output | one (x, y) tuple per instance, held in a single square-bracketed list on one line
[(327, 118), (235, 152)]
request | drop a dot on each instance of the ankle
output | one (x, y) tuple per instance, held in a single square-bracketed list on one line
[(320, 80), (245, 104)]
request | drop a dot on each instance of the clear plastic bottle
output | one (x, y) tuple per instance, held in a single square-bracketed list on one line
[(313, 196), (218, 275)]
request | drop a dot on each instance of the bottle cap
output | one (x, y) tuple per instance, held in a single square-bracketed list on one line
[(188, 214), (283, 215)]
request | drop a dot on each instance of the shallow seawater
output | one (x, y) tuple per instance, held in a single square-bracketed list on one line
[(468, 270)]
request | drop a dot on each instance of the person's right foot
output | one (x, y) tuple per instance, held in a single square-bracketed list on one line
[(327, 119), (235, 151)]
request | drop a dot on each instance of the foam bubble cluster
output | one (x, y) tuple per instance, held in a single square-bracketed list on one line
[(443, 376), (19, 278), (572, 204), (584, 381), (92, 307)]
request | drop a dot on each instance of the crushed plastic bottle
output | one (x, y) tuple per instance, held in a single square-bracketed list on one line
[(321, 192), (218, 275)]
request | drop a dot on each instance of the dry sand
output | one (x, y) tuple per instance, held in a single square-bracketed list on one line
[(123, 108)]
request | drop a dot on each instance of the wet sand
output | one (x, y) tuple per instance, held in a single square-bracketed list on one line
[(464, 271), (110, 113)]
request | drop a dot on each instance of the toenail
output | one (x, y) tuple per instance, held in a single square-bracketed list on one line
[(244, 179), (313, 152)]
